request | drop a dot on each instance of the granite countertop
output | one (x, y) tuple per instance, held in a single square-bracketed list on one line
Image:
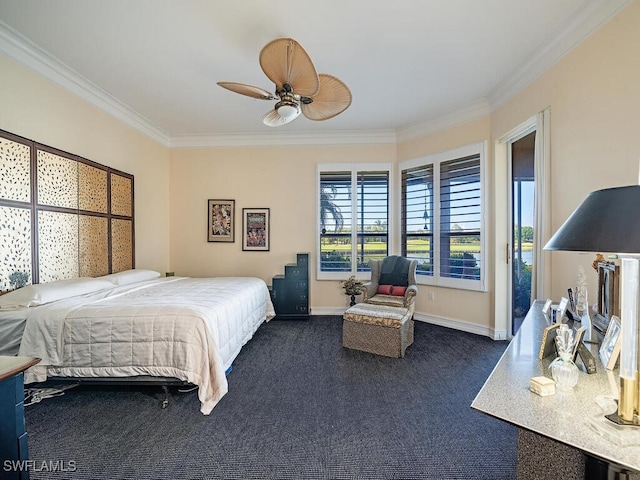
[(576, 417)]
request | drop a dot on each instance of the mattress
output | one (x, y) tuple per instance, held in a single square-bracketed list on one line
[(187, 328)]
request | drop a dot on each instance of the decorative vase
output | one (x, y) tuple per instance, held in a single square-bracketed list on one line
[(563, 370), (352, 294)]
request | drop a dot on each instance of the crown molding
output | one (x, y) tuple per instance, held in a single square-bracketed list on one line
[(578, 28), (341, 137), (575, 31), (474, 111), (21, 49)]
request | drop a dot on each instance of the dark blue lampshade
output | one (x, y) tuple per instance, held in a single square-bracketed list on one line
[(607, 221)]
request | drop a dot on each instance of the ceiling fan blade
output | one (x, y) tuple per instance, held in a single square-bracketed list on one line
[(283, 60), (248, 90), (333, 98), (273, 119)]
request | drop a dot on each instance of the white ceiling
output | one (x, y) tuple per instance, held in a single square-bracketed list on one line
[(411, 65)]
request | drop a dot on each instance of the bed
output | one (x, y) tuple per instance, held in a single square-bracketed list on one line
[(136, 324)]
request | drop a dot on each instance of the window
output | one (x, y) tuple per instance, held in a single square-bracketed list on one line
[(353, 219), (442, 222), (417, 217)]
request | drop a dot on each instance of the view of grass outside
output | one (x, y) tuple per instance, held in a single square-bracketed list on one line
[(522, 268), (336, 251)]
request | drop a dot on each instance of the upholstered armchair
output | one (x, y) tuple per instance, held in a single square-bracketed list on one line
[(393, 282)]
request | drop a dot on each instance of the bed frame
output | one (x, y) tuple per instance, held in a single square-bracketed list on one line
[(139, 380)]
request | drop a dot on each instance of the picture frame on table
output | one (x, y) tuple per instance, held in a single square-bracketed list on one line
[(546, 309), (610, 347), (220, 220), (256, 229), (562, 310), (548, 343), (578, 335)]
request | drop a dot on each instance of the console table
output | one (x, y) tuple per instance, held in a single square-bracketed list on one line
[(13, 437), (563, 435)]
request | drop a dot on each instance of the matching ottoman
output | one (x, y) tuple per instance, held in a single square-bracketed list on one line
[(380, 329)]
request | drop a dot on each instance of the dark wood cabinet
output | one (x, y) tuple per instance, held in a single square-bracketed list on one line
[(13, 436), (290, 291)]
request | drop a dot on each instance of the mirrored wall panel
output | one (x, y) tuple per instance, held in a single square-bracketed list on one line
[(15, 247), (93, 246), (61, 216), (15, 170), (122, 246), (57, 180), (92, 188), (58, 246), (121, 195)]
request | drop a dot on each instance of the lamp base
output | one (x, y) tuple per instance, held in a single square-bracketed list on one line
[(615, 418)]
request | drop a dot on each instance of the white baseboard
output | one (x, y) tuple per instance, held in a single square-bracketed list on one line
[(327, 310), (461, 325), (440, 321)]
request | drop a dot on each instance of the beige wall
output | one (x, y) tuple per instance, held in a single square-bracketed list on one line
[(468, 307), (35, 108), (280, 178), (594, 98)]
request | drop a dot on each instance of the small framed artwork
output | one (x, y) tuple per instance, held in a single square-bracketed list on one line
[(562, 309), (546, 308), (220, 215), (578, 335), (548, 344), (608, 289), (255, 232), (610, 346)]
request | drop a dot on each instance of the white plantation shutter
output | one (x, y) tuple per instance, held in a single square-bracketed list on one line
[(442, 222), (373, 217), (460, 217), (417, 217), (353, 219)]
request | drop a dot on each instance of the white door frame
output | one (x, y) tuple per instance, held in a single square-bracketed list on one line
[(503, 227)]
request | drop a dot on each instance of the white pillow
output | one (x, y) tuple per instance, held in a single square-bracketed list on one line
[(39, 294), (131, 276)]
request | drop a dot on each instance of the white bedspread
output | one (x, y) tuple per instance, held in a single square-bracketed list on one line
[(188, 328)]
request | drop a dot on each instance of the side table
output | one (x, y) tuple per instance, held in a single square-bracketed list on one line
[(13, 437)]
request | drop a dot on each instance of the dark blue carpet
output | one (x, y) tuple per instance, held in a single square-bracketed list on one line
[(299, 407)]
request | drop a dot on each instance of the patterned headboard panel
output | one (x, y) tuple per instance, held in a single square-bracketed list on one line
[(61, 216)]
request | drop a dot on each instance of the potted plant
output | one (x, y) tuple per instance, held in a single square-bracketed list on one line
[(352, 286)]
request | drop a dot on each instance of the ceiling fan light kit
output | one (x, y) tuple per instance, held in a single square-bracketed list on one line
[(298, 86), (287, 110)]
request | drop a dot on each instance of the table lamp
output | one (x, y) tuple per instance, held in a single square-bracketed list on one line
[(608, 221)]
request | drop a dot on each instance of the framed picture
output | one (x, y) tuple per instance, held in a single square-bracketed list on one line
[(546, 308), (608, 290), (562, 309), (255, 231), (220, 220), (548, 344), (578, 336), (610, 346)]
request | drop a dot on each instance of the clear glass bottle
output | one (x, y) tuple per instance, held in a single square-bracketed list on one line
[(563, 370)]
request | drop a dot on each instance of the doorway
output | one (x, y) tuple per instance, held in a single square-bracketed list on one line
[(523, 235), (503, 225)]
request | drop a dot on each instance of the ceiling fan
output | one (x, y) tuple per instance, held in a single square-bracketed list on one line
[(299, 88)]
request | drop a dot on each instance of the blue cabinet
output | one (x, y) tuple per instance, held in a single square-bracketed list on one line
[(13, 436), (290, 292)]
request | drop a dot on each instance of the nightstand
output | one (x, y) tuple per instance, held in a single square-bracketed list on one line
[(13, 437)]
